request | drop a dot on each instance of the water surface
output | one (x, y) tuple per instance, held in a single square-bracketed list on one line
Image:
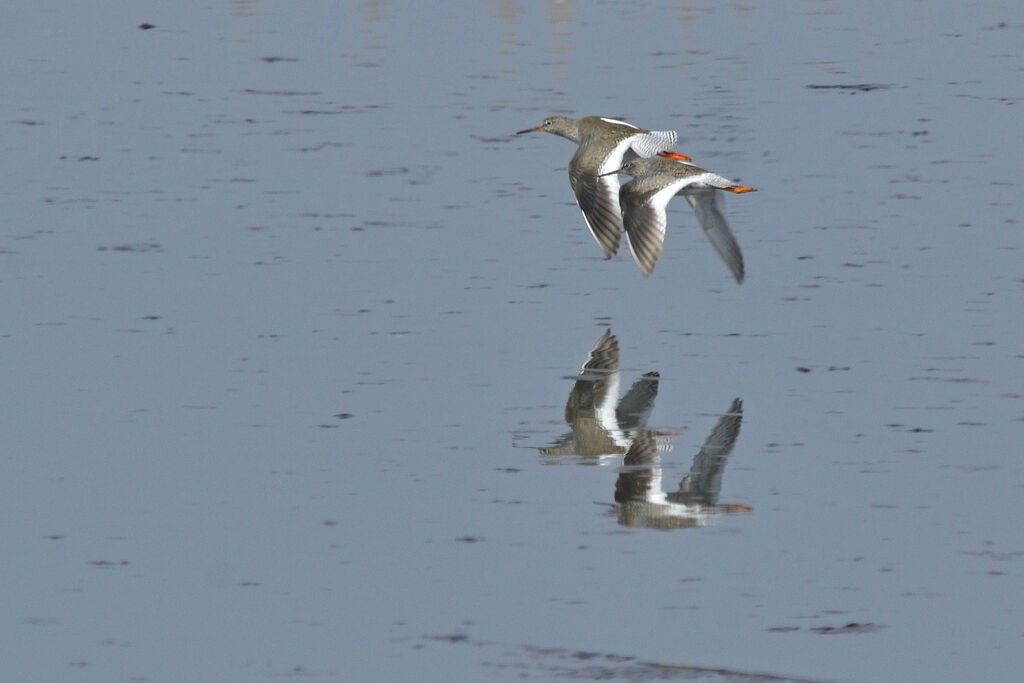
[(290, 311)]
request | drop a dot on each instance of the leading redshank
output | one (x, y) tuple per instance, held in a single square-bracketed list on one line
[(603, 145), (645, 198), (601, 424)]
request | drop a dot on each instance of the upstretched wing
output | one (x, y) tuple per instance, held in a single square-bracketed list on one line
[(704, 481), (636, 406)]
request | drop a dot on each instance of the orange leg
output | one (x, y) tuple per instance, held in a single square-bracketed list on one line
[(674, 155)]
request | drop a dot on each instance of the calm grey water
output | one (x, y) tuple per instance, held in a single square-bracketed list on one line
[(289, 312)]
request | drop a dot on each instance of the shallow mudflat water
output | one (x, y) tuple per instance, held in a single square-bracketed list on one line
[(296, 332)]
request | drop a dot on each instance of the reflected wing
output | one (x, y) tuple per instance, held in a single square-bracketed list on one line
[(642, 459), (703, 483), (636, 406), (643, 450), (597, 385), (705, 203), (590, 410)]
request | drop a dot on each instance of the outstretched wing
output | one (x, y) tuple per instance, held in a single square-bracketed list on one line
[(704, 481), (598, 199), (643, 215), (705, 203)]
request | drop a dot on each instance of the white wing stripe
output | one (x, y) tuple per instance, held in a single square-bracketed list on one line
[(613, 162), (621, 123)]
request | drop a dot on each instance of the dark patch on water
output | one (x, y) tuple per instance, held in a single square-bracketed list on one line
[(504, 138), (1003, 100), (848, 629), (450, 638), (316, 214), (134, 248), (378, 172), (953, 380), (1001, 557), (419, 175), (912, 430), (851, 628), (322, 145), (551, 663), (851, 88), (272, 60), (342, 109), (281, 93)]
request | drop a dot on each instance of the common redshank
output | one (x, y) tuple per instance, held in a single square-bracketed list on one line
[(601, 423), (645, 198), (603, 146), (640, 499)]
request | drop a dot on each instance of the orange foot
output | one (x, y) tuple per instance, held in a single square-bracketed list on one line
[(740, 189)]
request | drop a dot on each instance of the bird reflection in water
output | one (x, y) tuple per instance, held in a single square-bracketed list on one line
[(640, 500), (599, 427), (602, 426)]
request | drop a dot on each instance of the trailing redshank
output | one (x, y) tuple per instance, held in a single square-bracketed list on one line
[(603, 146), (645, 198)]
